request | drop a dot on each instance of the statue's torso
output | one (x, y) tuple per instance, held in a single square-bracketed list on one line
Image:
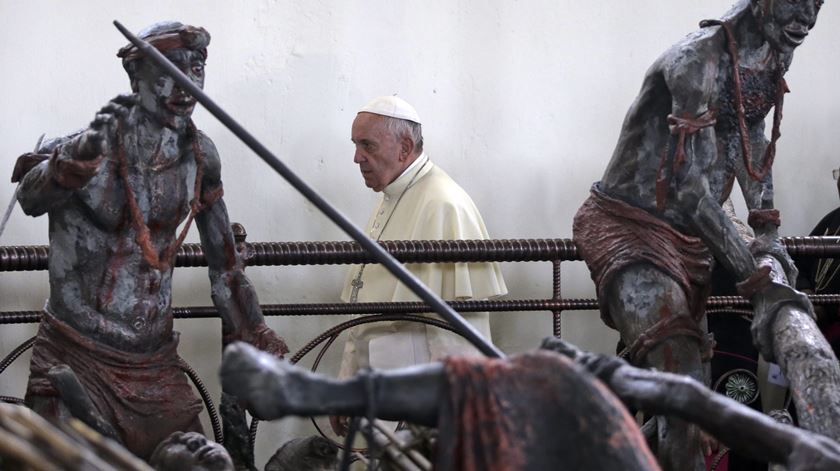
[(645, 137), (101, 282)]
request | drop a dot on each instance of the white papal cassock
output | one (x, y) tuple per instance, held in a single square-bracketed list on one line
[(426, 205)]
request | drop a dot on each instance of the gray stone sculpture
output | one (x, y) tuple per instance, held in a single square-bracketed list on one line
[(654, 224), (116, 193)]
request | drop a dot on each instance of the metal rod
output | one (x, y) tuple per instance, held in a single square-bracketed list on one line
[(557, 314), (461, 325), (36, 257), (717, 304)]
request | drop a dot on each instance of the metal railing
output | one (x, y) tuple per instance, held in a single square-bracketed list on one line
[(556, 251)]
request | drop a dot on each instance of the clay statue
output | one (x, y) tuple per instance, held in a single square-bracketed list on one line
[(552, 409), (537, 411), (190, 451), (654, 225), (116, 193)]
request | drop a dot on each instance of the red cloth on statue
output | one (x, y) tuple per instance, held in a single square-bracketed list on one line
[(145, 396), (534, 412), (612, 235)]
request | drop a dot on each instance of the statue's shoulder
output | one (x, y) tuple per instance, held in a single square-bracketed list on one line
[(699, 48), (691, 66)]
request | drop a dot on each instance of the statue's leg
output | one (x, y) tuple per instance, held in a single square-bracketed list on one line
[(640, 299), (75, 398), (50, 407), (274, 388)]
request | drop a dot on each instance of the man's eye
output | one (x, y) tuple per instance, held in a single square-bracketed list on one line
[(197, 69)]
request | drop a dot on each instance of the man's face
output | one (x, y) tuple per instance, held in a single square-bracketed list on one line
[(161, 97), (191, 451), (380, 155), (785, 23)]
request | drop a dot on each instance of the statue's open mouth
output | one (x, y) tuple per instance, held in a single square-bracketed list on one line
[(209, 453), (795, 35), (181, 106)]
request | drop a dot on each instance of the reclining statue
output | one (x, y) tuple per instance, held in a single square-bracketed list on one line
[(555, 408)]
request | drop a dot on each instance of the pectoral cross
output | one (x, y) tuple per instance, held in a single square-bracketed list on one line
[(357, 285)]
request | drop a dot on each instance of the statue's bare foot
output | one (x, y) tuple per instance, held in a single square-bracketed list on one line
[(272, 388)]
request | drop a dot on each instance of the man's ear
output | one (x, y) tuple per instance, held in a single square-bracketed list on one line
[(406, 147)]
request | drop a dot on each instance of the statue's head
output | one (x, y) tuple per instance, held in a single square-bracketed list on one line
[(190, 450), (785, 23), (160, 97)]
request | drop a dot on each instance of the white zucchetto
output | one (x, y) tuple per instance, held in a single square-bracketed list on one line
[(392, 106)]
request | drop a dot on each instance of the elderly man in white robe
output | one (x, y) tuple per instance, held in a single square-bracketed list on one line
[(419, 202)]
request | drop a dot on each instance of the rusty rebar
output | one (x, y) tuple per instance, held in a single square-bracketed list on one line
[(320, 309), (556, 295), (35, 257)]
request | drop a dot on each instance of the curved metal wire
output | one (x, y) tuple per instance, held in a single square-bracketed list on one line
[(18, 351), (205, 396)]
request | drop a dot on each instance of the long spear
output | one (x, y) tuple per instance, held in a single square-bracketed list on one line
[(375, 250)]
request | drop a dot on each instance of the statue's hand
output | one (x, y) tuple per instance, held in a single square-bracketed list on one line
[(79, 160), (260, 336), (100, 137), (264, 338), (272, 343), (767, 302), (769, 244)]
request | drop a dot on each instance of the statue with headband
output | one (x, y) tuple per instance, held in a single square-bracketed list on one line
[(116, 194), (653, 225)]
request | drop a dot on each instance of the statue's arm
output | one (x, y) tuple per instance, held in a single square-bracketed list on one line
[(734, 424), (38, 191), (692, 82), (758, 195), (73, 162), (232, 292), (54, 180)]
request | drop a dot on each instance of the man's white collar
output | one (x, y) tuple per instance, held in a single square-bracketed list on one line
[(399, 185)]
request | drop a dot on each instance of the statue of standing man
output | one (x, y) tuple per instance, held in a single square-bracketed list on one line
[(653, 225), (116, 194)]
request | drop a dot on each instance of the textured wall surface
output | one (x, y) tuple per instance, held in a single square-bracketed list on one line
[(521, 100)]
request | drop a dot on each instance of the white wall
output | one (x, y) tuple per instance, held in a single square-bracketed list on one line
[(521, 100)]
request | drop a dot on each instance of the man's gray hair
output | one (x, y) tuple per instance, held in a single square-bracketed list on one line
[(404, 127)]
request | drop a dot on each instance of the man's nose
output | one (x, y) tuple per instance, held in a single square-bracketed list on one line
[(358, 157), (808, 14)]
